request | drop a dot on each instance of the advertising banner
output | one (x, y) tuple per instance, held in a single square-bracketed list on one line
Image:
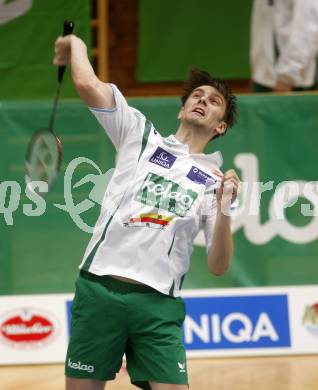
[(219, 322), (33, 329), (251, 321)]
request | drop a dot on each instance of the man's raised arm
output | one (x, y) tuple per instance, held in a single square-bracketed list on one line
[(72, 50)]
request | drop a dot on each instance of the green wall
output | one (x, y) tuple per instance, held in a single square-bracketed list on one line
[(210, 34), (27, 46)]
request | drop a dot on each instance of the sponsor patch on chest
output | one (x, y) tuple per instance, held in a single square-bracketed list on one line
[(198, 176), (163, 158), (156, 191)]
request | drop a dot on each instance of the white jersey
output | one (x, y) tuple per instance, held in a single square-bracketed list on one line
[(154, 204)]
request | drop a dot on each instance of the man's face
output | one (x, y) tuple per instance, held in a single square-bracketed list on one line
[(204, 108)]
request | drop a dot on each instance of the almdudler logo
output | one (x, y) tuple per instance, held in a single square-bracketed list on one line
[(27, 328)]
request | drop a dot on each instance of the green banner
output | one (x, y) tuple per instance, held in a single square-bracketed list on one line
[(175, 35), (274, 145), (28, 29)]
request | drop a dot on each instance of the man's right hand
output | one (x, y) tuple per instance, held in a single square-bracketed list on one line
[(63, 50)]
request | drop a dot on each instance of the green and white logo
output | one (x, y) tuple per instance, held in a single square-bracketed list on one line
[(158, 192)]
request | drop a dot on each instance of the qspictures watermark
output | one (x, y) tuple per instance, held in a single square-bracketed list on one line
[(10, 197), (162, 193)]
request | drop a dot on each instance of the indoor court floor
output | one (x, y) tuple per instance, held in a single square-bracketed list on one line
[(252, 373)]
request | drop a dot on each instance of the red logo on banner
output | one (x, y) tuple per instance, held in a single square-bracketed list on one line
[(27, 328), (310, 319)]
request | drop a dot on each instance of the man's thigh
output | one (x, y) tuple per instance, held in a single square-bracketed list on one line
[(83, 384), (167, 386), (155, 352), (98, 332)]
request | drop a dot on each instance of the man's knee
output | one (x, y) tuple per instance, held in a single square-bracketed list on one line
[(83, 384)]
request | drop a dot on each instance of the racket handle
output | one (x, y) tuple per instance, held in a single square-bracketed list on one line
[(67, 29)]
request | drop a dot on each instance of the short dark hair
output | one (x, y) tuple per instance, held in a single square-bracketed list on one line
[(197, 78)]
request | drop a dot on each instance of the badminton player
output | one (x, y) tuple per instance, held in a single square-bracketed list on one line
[(127, 298)]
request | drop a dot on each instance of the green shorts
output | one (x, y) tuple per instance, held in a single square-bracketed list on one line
[(111, 318)]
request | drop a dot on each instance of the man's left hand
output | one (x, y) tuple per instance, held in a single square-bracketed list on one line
[(228, 190)]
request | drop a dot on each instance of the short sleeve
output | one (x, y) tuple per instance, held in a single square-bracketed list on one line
[(120, 122)]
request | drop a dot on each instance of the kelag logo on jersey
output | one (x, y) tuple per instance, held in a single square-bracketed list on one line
[(163, 158), (195, 174), (165, 194), (236, 322)]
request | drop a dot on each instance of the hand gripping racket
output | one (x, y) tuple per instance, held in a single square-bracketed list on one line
[(44, 153)]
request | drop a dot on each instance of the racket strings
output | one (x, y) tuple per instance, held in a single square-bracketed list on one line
[(42, 163)]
